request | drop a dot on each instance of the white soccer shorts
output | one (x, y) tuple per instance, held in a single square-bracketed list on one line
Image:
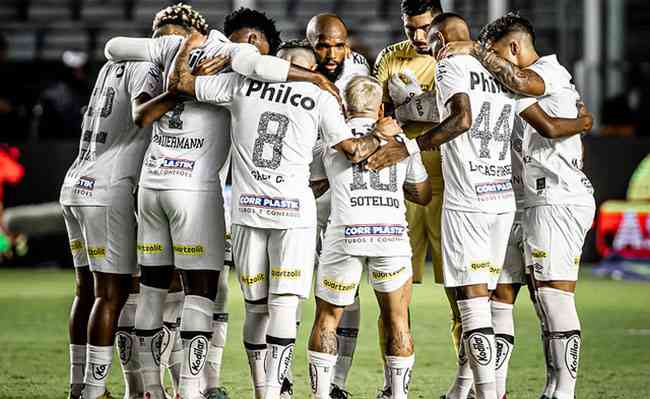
[(103, 237), (474, 247), (514, 267), (181, 228), (553, 240), (338, 275), (274, 261)]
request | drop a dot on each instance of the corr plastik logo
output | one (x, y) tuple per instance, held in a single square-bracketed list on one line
[(266, 202), (493, 188), (364, 230), (173, 163)]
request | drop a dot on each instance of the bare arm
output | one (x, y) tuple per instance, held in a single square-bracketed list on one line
[(556, 128), (145, 110), (457, 123), (181, 79), (319, 187), (419, 193), (520, 80), (358, 149)]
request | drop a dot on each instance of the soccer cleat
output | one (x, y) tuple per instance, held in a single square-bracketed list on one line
[(338, 393), (386, 393), (286, 392), (216, 393)]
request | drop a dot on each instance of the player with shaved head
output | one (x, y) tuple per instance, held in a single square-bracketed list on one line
[(328, 36)]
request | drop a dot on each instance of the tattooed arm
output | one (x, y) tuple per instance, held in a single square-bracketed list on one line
[(358, 149), (520, 80)]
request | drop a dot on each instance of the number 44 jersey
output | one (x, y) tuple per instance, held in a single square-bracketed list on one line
[(476, 165), (274, 129)]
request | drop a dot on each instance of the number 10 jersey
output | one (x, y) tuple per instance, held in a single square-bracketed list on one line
[(274, 129)]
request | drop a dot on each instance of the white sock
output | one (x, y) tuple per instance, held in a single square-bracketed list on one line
[(215, 353), (400, 375), (171, 340), (280, 340), (564, 333), (386, 374), (464, 376), (212, 373), (77, 368), (504, 332), (196, 333), (98, 367), (480, 346), (321, 369), (255, 326), (346, 338), (551, 380), (148, 328), (125, 343)]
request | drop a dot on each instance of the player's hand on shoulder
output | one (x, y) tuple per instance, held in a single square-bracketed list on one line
[(194, 40), (386, 128), (387, 155), (457, 48), (403, 86), (585, 116), (212, 66), (329, 87)]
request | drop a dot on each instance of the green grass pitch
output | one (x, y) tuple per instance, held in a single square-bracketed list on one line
[(34, 307)]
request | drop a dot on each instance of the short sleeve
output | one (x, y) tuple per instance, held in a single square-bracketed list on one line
[(382, 72), (522, 103), (545, 71), (332, 123), (450, 80), (217, 89), (145, 78), (162, 50), (317, 166), (416, 172)]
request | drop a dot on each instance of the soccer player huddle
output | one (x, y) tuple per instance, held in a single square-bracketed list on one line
[(470, 147)]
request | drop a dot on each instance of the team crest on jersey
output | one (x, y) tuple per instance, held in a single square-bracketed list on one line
[(365, 230), (493, 190)]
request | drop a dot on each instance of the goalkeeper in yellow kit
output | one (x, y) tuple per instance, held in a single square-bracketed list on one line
[(407, 72)]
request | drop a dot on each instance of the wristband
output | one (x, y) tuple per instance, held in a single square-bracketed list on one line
[(412, 146)]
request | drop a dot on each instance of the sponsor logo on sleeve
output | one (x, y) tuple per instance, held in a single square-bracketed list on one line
[(189, 250), (493, 190), (252, 280), (285, 274), (150, 248)]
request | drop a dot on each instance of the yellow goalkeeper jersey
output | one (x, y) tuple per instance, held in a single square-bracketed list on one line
[(395, 59)]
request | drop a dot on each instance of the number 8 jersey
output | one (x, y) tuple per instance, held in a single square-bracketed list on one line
[(476, 165), (274, 129)]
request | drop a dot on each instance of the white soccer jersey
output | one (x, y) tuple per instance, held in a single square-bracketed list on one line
[(517, 162), (274, 130), (368, 213), (476, 165), (190, 143), (354, 65), (553, 167), (111, 146)]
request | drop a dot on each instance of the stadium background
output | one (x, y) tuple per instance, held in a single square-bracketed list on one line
[(51, 50)]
